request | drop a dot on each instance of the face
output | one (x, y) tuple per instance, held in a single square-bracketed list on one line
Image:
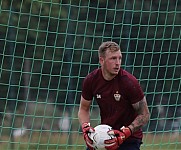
[(110, 64)]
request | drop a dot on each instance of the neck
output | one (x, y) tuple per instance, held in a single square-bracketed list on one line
[(107, 76)]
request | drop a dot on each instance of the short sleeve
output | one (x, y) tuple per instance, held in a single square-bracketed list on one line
[(134, 90), (87, 88)]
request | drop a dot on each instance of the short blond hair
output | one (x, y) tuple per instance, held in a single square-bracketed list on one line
[(112, 46)]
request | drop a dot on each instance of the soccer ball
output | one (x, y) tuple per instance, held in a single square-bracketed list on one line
[(100, 135)]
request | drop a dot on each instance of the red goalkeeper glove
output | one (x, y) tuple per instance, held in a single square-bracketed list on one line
[(86, 129), (120, 137)]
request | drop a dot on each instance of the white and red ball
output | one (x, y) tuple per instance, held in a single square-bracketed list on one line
[(100, 135)]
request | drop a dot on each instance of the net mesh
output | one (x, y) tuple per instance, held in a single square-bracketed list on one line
[(49, 46)]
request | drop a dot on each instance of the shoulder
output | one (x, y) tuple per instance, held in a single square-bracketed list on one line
[(94, 74), (91, 77), (129, 81), (88, 83), (132, 87), (126, 76)]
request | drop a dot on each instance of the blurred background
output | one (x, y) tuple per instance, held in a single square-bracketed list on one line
[(47, 47)]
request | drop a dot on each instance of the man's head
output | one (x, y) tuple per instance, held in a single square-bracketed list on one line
[(109, 45), (110, 59)]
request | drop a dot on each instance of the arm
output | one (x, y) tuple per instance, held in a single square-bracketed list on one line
[(143, 115), (142, 118), (84, 119), (84, 110)]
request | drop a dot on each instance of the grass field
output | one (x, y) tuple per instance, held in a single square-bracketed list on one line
[(44, 139), (161, 141), (55, 141)]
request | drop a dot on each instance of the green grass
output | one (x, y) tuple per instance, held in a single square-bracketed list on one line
[(44, 139), (161, 141), (74, 141)]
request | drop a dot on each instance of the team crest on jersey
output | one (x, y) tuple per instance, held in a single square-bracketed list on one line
[(117, 96), (98, 96)]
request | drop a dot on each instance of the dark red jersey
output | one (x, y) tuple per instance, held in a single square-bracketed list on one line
[(114, 97)]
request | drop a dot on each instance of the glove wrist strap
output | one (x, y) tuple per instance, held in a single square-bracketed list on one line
[(85, 124)]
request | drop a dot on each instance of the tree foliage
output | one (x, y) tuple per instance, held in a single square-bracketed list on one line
[(58, 35)]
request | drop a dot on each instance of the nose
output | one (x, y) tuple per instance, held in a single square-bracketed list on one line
[(118, 61)]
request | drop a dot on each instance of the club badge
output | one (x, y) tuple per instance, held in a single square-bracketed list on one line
[(117, 96)]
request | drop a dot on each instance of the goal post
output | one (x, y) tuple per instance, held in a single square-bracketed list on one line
[(47, 47)]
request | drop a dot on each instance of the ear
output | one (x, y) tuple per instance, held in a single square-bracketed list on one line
[(101, 60)]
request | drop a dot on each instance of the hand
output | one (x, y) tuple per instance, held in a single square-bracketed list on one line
[(86, 129), (120, 137)]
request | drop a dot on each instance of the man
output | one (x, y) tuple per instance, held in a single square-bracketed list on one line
[(120, 98)]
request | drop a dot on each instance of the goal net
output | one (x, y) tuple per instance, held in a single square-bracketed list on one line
[(47, 47)]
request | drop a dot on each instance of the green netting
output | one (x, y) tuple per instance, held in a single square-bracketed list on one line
[(47, 47)]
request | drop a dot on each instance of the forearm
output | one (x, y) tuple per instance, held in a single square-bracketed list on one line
[(142, 117), (84, 116), (84, 111), (139, 122)]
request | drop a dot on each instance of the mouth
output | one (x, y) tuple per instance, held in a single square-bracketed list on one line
[(116, 69)]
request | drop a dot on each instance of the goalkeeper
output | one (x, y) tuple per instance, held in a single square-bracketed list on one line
[(120, 98)]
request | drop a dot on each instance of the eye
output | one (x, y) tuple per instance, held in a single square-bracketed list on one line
[(114, 58)]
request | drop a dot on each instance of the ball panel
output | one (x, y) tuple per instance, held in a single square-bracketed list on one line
[(100, 135)]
